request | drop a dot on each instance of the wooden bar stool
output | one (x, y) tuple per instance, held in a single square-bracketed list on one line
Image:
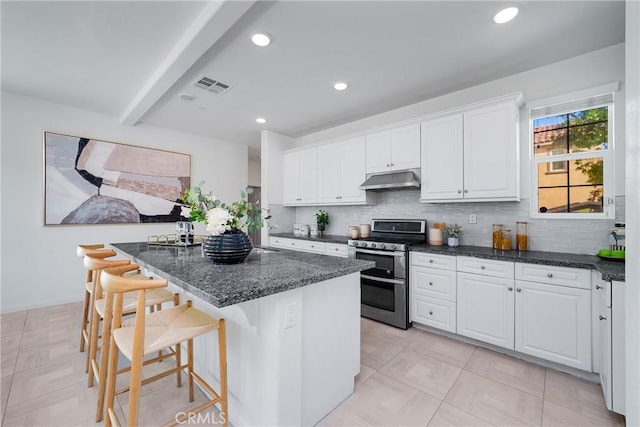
[(153, 299), (81, 251), (150, 333)]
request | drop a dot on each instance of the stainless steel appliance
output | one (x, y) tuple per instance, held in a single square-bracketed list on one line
[(385, 288)]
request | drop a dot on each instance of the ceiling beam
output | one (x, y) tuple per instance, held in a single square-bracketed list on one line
[(212, 23)]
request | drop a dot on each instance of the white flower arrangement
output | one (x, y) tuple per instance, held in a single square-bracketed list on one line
[(219, 217)]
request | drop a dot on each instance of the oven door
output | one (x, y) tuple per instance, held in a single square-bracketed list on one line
[(389, 265)]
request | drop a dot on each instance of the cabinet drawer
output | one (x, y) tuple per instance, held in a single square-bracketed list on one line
[(423, 259), (434, 312), (485, 267), (336, 249), (297, 244), (565, 276), (433, 283)]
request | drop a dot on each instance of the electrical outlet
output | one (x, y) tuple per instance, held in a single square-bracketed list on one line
[(473, 219), (355, 218), (290, 315)]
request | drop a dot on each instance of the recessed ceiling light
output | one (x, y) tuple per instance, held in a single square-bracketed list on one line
[(340, 86), (261, 120), (505, 15), (261, 39)]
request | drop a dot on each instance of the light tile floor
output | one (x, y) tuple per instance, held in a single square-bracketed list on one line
[(407, 378), (416, 378)]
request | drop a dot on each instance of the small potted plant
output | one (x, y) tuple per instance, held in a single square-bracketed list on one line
[(453, 233), (322, 219)]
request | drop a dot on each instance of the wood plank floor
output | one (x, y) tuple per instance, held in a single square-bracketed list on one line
[(407, 378)]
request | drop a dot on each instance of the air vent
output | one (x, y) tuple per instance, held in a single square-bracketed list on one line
[(212, 85)]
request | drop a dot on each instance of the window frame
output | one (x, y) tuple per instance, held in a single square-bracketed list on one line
[(608, 175)]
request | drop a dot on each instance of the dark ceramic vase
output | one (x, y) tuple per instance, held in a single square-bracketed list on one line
[(230, 247)]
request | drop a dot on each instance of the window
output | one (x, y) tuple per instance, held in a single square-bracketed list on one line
[(572, 166)]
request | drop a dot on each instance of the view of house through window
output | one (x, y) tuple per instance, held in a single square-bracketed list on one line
[(569, 153)]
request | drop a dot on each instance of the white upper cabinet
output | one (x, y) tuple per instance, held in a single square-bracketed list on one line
[(472, 155), (341, 170), (442, 160), (393, 149), (300, 177)]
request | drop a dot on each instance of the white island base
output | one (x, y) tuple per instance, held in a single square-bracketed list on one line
[(291, 357)]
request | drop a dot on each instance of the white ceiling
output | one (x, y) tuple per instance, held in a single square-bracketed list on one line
[(132, 59)]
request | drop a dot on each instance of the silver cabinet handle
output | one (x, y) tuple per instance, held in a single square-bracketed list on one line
[(549, 275), (518, 289), (431, 261), (466, 191), (380, 279), (602, 318), (598, 287), (431, 313), (509, 288), (482, 267), (459, 191), (430, 283), (390, 164)]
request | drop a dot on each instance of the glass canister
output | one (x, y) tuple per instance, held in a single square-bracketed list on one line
[(353, 232), (497, 236), (506, 240), (522, 236)]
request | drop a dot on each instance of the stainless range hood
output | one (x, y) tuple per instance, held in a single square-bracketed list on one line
[(391, 180)]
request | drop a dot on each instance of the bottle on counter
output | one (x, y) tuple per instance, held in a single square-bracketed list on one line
[(506, 240), (522, 236), (497, 236)]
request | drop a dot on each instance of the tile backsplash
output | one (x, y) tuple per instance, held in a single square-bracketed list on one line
[(557, 235)]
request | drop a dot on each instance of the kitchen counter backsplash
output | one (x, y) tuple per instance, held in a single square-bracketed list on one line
[(554, 235)]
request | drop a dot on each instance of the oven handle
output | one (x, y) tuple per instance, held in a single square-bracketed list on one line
[(366, 251), (380, 279)]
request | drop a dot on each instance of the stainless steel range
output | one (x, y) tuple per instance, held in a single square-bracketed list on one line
[(385, 288)]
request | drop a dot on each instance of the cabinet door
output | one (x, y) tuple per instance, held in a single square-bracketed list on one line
[(290, 175), (405, 147), (554, 323), (308, 177), (605, 355), (485, 309), (491, 152), (352, 170), (378, 152), (441, 156), (329, 169)]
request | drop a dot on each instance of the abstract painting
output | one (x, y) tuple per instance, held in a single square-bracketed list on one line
[(88, 181)]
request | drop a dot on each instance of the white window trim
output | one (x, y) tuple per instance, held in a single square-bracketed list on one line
[(608, 196)]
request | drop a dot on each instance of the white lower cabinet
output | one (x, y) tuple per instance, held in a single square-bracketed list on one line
[(489, 301), (554, 323), (432, 294), (486, 309), (334, 249)]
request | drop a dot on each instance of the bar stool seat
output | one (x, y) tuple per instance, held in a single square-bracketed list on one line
[(164, 329)]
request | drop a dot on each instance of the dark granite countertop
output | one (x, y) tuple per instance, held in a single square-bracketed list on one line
[(328, 238), (610, 270), (264, 272)]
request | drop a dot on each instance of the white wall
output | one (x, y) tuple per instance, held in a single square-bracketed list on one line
[(272, 145), (632, 274), (254, 172), (39, 265), (581, 72)]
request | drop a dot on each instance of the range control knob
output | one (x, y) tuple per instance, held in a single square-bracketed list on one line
[(382, 246), (363, 244), (373, 245), (354, 243)]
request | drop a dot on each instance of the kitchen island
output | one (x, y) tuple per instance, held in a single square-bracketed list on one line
[(293, 327)]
